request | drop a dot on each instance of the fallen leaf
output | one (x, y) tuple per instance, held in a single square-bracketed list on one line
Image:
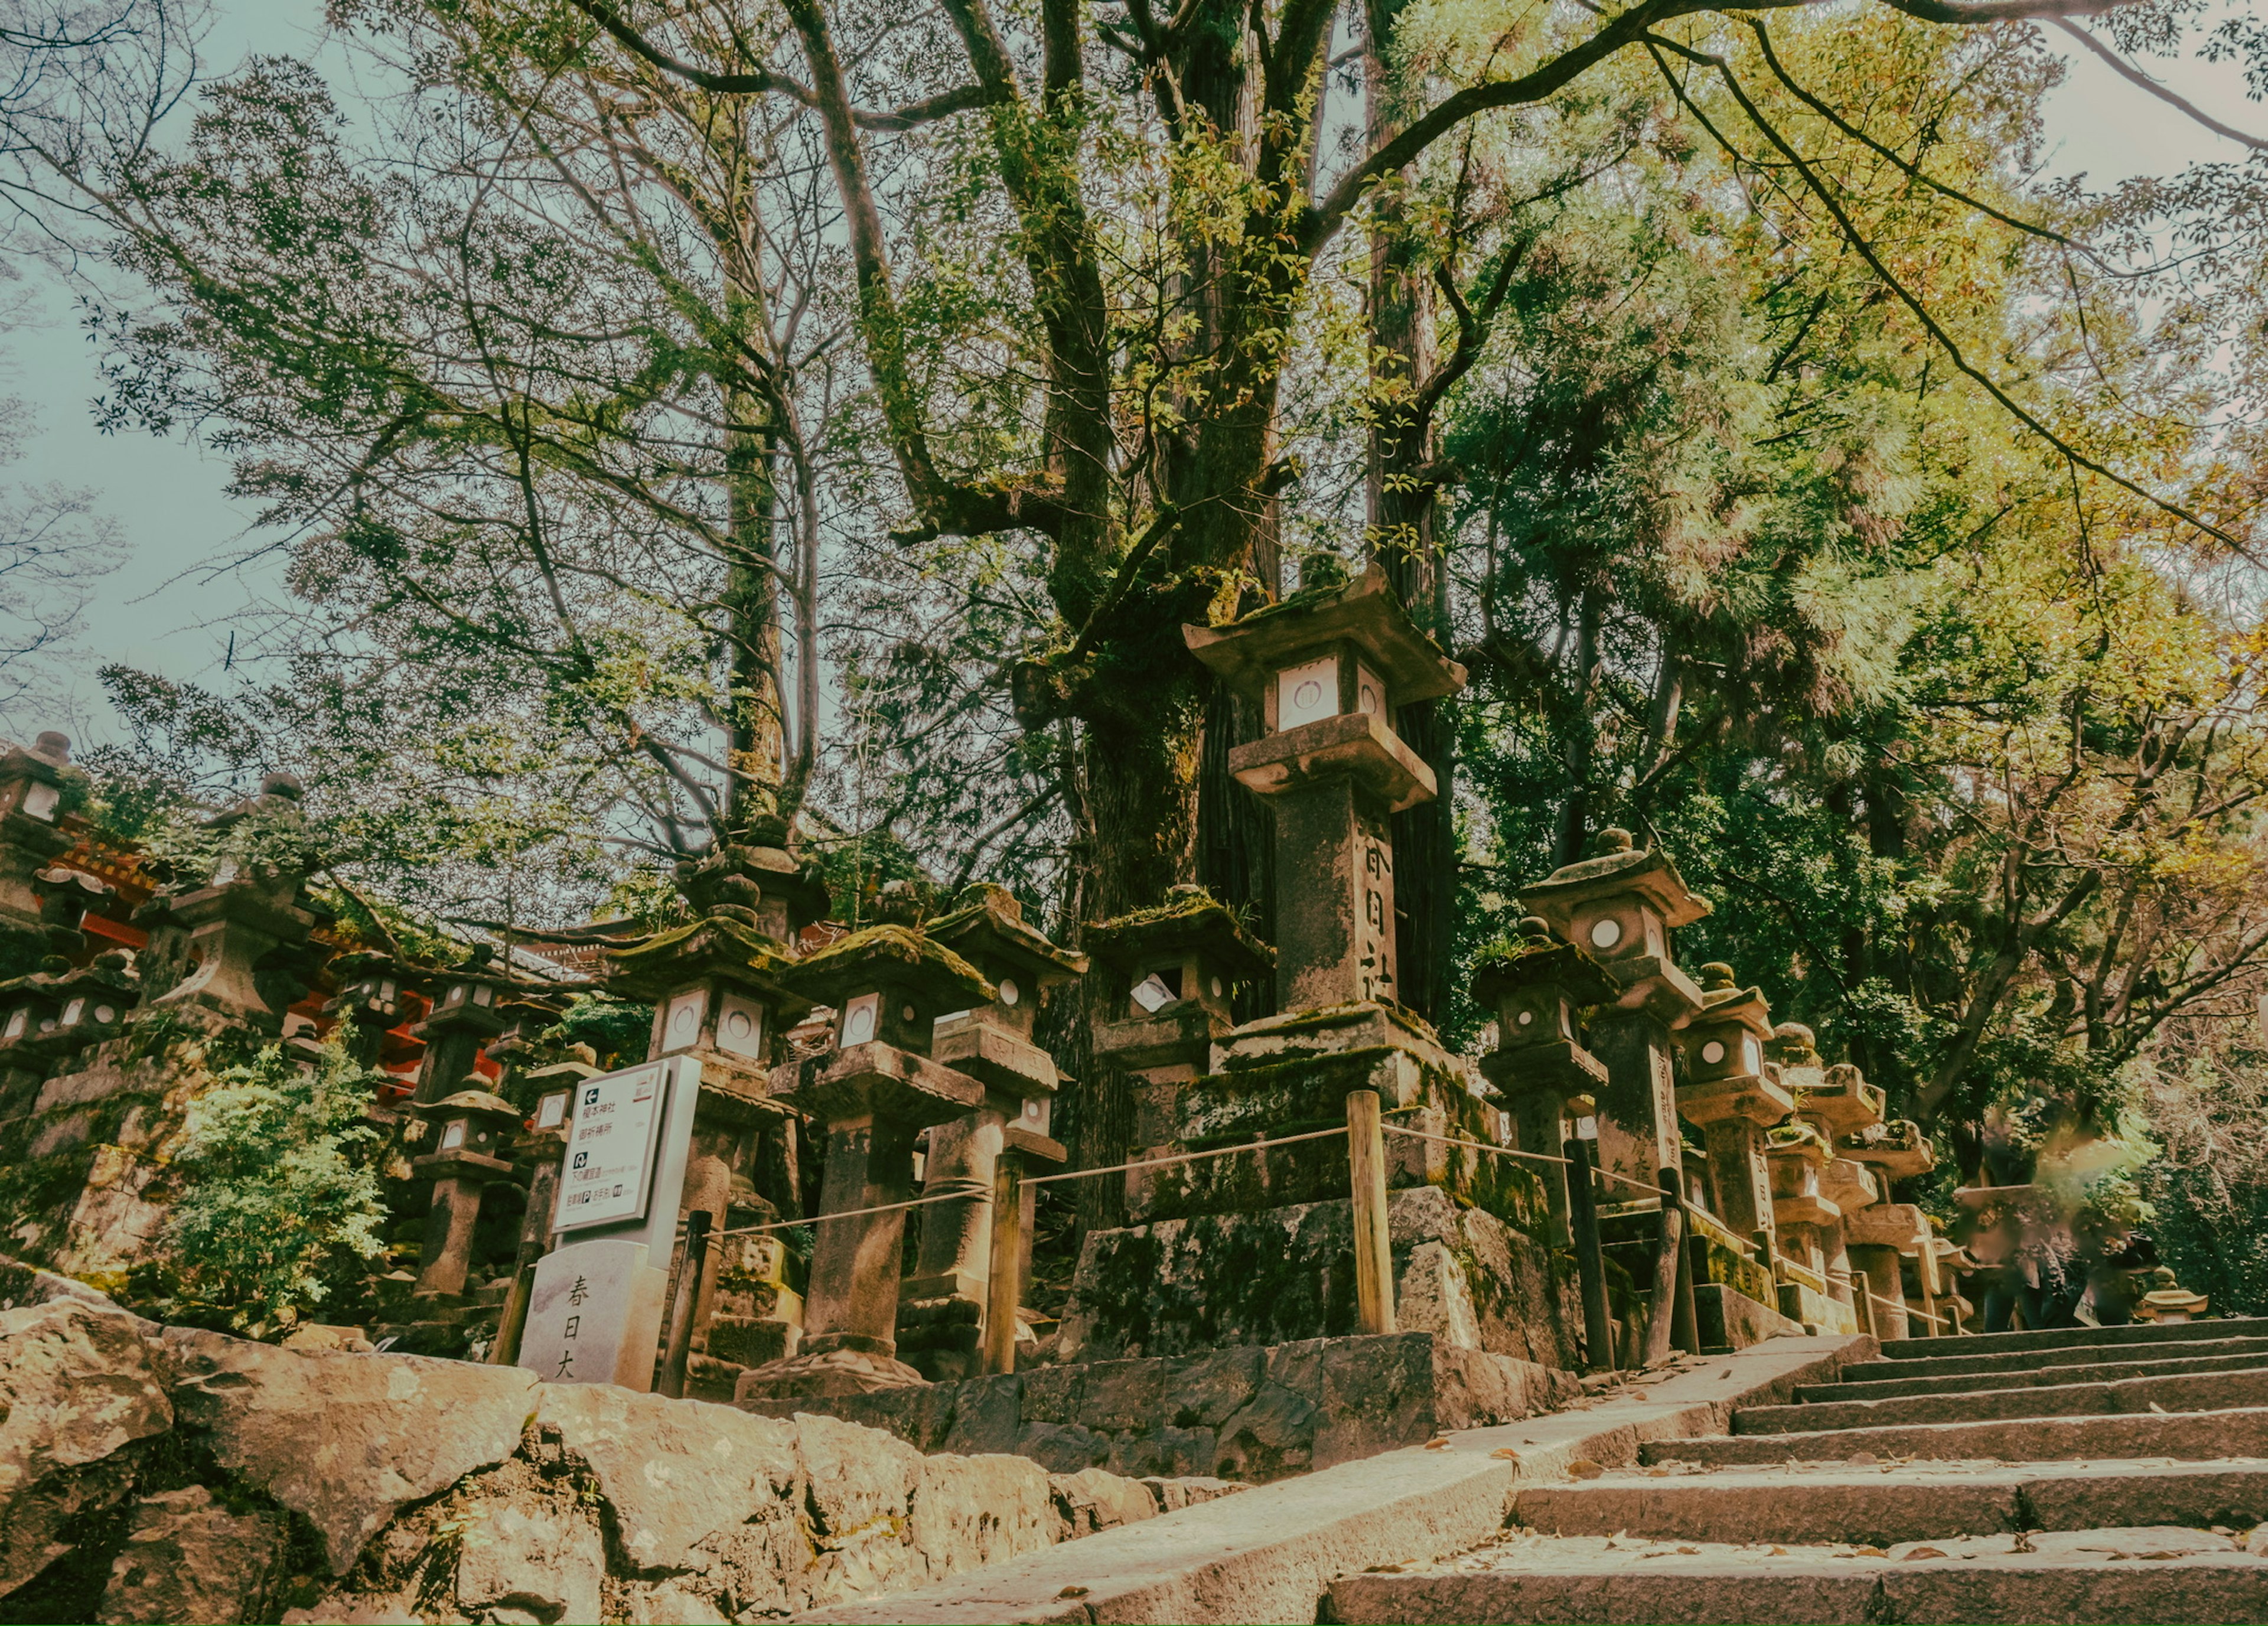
[(1505, 1453), (1583, 1468), (2160, 1410), (1072, 1592), (1872, 1552), (1440, 1442), (1926, 1552), (2157, 1554), (1376, 1569), (1779, 1552), (1689, 1549), (1864, 1459)]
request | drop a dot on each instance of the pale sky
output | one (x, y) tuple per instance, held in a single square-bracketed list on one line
[(168, 611)]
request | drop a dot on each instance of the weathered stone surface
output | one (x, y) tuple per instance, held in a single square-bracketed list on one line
[(1092, 1500), (675, 1471), (972, 1511), (345, 1440), (79, 1385), (541, 1563), (188, 1558), (1188, 1491)]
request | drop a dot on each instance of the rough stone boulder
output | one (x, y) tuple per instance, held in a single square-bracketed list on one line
[(79, 1388), (189, 1558), (345, 1440)]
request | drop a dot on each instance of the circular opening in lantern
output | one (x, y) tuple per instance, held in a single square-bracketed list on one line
[(1606, 933), (1009, 992), (1714, 1052), (1308, 694), (1526, 1018), (739, 1024)]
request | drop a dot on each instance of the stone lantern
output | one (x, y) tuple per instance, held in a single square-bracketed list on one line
[(992, 1043), (1330, 667), (31, 819), (1728, 1094), (874, 1089), (473, 1136), (1807, 1224), (1839, 1102), (1536, 988), (31, 1017), (1619, 905), (368, 1003), (65, 896), (1165, 980)]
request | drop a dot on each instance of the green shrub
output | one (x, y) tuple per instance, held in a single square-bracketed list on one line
[(278, 1205)]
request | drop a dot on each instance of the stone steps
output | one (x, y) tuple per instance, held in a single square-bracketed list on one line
[(1884, 1379), (2119, 1575), (2040, 1359), (2075, 1337), (1884, 1506), (2210, 1391), (2187, 1437), (2079, 1474)]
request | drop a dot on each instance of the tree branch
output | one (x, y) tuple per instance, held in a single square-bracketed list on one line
[(2132, 75)]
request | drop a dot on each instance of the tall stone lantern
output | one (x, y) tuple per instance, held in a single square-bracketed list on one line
[(31, 823), (1330, 666), (1619, 905), (1729, 1094), (1165, 980), (1536, 988), (874, 1089)]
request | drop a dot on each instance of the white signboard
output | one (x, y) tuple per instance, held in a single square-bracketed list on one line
[(595, 1316), (608, 1176)]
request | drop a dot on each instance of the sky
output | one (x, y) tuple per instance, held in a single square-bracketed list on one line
[(171, 607)]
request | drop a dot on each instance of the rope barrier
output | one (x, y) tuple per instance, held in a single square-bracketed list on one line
[(1036, 1180), (1511, 1152)]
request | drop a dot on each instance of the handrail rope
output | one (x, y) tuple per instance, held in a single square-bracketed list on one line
[(1036, 1180), (1511, 1152)]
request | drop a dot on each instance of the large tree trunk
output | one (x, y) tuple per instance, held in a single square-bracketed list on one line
[(1404, 504)]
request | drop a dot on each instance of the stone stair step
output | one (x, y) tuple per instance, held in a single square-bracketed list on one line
[(1916, 1501), (2075, 1337), (2182, 1436), (1885, 1380), (2079, 1357), (2191, 1391), (2127, 1575)]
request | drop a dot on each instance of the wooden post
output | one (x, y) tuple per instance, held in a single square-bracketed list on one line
[(1590, 1263), (1373, 1251), (1004, 1283), (689, 1299), (1668, 1252), (506, 1350)]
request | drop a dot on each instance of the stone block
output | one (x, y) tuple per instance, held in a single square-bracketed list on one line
[(537, 1561), (1093, 1499), (1052, 1394), (972, 1511), (1377, 1394), (1190, 1490), (1122, 1396), (1272, 1437), (1063, 1447), (1207, 1389), (987, 1416)]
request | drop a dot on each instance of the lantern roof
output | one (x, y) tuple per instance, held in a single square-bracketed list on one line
[(480, 1103), (1724, 1000), (1617, 864), (1190, 918), (1367, 612), (899, 954), (719, 945), (1538, 956), (987, 922)]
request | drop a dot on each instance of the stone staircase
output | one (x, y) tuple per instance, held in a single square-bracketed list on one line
[(2082, 1475)]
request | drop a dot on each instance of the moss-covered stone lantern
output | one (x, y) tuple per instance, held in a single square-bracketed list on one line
[(1535, 985), (1619, 906), (1329, 667), (31, 786), (875, 1089), (472, 1132), (467, 1010), (993, 1044), (1730, 1097)]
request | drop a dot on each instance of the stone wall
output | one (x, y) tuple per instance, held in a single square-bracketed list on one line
[(170, 1473), (1249, 1414)]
